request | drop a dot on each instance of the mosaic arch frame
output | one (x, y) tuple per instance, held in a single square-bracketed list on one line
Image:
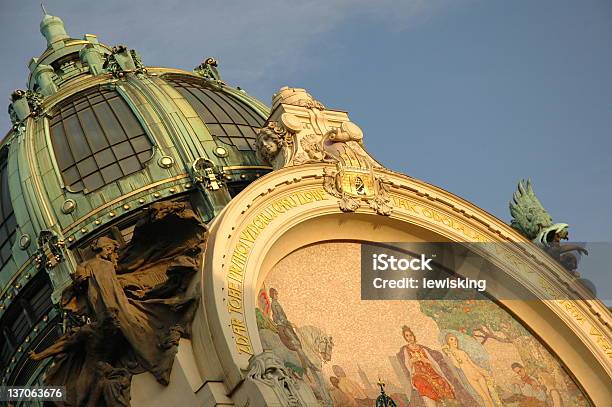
[(225, 329)]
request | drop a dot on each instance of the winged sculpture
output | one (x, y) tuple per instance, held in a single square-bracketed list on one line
[(533, 221)]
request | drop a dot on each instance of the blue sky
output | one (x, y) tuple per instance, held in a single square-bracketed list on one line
[(468, 95)]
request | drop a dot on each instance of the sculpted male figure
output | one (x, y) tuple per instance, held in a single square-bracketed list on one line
[(131, 308), (79, 351)]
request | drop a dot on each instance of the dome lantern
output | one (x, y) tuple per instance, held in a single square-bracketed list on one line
[(52, 28)]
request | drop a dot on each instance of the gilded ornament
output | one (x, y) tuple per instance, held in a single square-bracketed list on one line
[(206, 173)]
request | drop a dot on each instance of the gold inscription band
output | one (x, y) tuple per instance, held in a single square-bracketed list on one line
[(240, 253)]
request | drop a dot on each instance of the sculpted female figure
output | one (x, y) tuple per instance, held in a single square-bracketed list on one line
[(270, 145), (476, 376)]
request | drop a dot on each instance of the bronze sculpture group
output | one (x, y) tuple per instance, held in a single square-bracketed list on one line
[(128, 309)]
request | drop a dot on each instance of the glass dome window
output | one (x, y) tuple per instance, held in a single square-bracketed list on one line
[(8, 223), (97, 139), (228, 119)]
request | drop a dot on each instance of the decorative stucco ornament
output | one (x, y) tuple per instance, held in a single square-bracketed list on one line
[(355, 186), (122, 61), (301, 131), (267, 369), (274, 144), (296, 97)]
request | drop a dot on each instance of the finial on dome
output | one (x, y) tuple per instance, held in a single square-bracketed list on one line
[(51, 27)]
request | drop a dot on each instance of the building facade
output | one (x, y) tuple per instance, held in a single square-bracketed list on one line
[(167, 238)]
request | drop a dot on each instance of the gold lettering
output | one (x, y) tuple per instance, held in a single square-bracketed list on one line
[(259, 224), (241, 337), (235, 273), (234, 290), (278, 207), (238, 327), (250, 233), (265, 215), (238, 259), (241, 248), (299, 197), (240, 254), (234, 305), (288, 203)]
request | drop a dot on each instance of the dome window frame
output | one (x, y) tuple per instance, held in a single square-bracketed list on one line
[(212, 111), (112, 159), (8, 221)]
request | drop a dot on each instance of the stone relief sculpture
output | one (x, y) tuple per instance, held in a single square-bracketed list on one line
[(301, 130), (533, 221), (129, 308), (268, 369), (272, 144)]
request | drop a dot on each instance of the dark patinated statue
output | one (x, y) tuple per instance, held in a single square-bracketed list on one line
[(134, 306), (533, 221)]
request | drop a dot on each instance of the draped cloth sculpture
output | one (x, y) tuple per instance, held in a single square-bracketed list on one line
[(134, 306)]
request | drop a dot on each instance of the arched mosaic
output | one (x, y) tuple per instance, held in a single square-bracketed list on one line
[(428, 353)]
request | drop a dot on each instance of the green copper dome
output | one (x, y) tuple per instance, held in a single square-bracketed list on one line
[(98, 137)]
